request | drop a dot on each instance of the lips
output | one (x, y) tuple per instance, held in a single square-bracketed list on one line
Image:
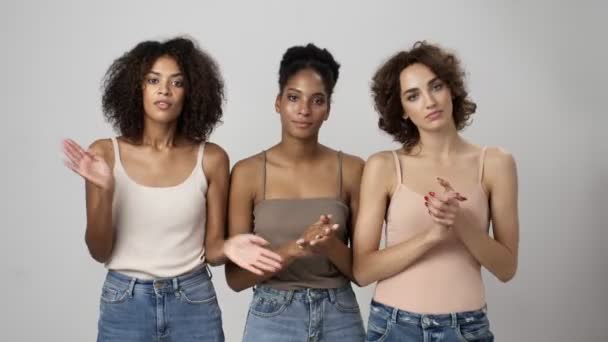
[(434, 115), (163, 105), (302, 124)]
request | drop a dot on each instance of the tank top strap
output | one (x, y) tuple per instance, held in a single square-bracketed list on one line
[(339, 196), (482, 158), (397, 168), (264, 175), (117, 162)]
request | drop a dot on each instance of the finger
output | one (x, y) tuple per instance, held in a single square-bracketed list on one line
[(262, 265), (71, 153), (74, 147), (445, 184), (250, 268), (271, 255), (258, 240), (269, 262), (335, 227)]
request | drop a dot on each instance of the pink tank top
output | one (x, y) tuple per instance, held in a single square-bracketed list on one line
[(447, 278)]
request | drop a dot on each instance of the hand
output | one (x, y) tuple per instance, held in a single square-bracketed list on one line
[(91, 167), (444, 208), (318, 236), (248, 252)]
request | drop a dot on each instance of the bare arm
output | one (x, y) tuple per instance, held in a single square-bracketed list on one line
[(95, 166), (215, 165), (240, 221), (498, 254), (339, 253), (371, 264)]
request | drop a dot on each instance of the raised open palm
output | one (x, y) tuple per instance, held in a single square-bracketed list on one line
[(88, 165)]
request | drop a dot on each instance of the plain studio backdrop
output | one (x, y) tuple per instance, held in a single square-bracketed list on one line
[(537, 71)]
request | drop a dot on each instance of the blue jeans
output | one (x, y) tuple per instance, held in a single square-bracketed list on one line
[(387, 324), (183, 308), (307, 315)]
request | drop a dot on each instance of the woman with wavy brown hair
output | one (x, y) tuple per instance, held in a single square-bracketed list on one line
[(156, 197), (438, 193)]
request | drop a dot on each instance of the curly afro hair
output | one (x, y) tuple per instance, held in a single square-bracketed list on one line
[(386, 90), (122, 100), (298, 58)]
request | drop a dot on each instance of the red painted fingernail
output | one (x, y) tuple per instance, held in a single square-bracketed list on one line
[(426, 204), (432, 193), (426, 198)]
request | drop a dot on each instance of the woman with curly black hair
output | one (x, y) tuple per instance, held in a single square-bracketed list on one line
[(156, 197), (302, 197), (438, 193)]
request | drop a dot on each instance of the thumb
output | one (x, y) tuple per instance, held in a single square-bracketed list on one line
[(257, 240)]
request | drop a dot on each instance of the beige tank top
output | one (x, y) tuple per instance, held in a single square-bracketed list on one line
[(447, 278), (282, 220), (160, 231)]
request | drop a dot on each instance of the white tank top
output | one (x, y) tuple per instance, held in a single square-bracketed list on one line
[(160, 231)]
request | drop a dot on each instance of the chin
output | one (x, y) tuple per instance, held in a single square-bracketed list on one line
[(165, 118)]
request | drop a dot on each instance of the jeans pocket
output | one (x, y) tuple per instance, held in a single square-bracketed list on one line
[(266, 306), (476, 329), (113, 294), (198, 293), (378, 327), (346, 301)]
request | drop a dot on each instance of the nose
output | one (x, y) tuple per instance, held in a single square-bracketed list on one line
[(429, 100), (163, 88), (304, 108)]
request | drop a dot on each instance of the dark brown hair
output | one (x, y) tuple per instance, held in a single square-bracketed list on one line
[(386, 90), (122, 99)]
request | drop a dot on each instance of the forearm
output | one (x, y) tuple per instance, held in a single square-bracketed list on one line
[(492, 255), (341, 256), (239, 279), (100, 230), (214, 252), (381, 264)]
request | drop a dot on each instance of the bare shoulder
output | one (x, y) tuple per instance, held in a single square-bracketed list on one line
[(215, 154), (499, 167), (104, 148), (352, 165), (248, 167), (246, 175), (381, 162), (380, 170), (498, 159)]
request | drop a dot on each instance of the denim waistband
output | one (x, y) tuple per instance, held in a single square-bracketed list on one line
[(305, 295), (196, 276), (427, 320)]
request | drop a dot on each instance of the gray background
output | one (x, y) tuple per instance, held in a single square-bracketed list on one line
[(536, 70)]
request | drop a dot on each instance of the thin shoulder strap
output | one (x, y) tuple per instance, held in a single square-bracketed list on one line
[(200, 154), (397, 167), (339, 174), (264, 175), (117, 161), (482, 158)]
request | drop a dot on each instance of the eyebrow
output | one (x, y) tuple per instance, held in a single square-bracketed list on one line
[(412, 90), (300, 92), (158, 74)]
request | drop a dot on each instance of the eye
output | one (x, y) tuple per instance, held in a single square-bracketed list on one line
[(319, 101), (152, 80), (412, 97), (292, 98), (438, 86), (178, 83)]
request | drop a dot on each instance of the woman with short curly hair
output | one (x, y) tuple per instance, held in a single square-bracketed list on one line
[(156, 196), (438, 194)]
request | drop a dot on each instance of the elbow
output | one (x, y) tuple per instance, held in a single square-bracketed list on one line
[(507, 275), (231, 278), (360, 277), (98, 253)]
